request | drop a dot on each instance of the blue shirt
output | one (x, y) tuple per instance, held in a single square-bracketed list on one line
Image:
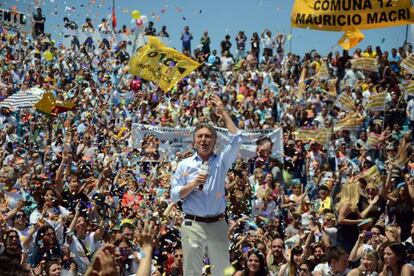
[(210, 201)]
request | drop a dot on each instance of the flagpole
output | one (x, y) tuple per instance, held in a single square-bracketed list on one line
[(291, 38), (406, 36)]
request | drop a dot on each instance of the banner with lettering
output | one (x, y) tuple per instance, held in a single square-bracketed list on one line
[(15, 21), (346, 15), (179, 139)]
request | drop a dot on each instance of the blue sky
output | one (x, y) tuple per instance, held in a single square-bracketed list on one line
[(218, 17)]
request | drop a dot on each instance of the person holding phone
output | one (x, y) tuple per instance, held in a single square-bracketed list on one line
[(199, 184)]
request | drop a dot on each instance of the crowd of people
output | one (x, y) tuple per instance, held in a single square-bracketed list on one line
[(77, 198)]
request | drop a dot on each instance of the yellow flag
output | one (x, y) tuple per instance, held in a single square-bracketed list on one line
[(408, 88), (376, 102), (338, 15), (408, 64), (46, 103), (161, 64), (323, 72), (367, 64), (345, 102), (50, 105), (320, 135), (373, 141), (352, 121), (350, 39)]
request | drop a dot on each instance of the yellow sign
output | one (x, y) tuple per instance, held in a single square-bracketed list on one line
[(345, 15), (367, 64), (161, 64), (320, 135)]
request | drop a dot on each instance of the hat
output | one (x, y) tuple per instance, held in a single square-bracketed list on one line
[(377, 122)]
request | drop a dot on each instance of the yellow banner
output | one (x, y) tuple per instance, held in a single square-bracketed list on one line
[(408, 64), (345, 15), (367, 64), (320, 135), (350, 122), (161, 64)]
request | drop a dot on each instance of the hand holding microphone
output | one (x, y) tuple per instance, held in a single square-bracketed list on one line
[(202, 176)]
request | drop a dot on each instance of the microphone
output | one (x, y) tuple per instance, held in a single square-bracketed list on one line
[(203, 171)]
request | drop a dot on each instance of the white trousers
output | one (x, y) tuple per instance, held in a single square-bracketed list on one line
[(196, 238)]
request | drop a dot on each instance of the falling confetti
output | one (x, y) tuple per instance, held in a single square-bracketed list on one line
[(184, 18)]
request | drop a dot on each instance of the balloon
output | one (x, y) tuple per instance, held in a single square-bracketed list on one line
[(135, 14), (48, 55), (139, 22), (144, 19)]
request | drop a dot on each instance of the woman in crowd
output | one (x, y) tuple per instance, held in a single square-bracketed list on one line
[(395, 261), (348, 215), (255, 264), (370, 264), (295, 259)]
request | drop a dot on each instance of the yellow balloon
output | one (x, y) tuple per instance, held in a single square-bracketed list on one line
[(135, 14), (48, 55)]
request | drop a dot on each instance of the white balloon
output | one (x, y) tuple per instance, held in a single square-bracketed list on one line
[(144, 19)]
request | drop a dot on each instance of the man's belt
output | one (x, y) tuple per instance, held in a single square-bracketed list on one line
[(205, 219)]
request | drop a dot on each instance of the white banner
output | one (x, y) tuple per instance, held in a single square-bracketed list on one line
[(178, 139), (16, 21), (133, 41)]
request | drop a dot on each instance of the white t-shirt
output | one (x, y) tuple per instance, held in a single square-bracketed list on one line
[(325, 270)]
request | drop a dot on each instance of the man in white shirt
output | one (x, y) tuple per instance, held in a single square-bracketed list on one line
[(268, 43), (336, 263)]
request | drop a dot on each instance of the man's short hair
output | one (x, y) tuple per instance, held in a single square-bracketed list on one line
[(262, 140), (209, 127), (335, 253), (127, 225)]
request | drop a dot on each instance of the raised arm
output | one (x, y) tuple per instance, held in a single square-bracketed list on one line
[(223, 113)]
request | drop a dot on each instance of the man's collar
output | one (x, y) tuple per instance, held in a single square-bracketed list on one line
[(198, 158)]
